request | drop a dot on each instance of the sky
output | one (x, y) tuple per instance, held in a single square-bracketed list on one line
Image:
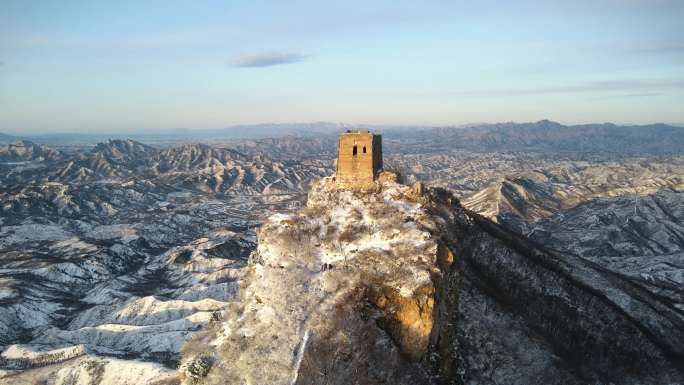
[(115, 66)]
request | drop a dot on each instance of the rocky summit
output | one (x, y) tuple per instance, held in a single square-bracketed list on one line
[(400, 285), (343, 291)]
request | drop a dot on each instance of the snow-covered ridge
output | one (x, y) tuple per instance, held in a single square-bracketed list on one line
[(193, 166), (339, 226), (145, 314), (25, 151)]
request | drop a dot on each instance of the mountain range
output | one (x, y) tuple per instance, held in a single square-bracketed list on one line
[(193, 166), (544, 135), (117, 258)]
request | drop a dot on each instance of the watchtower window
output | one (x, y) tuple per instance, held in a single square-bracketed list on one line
[(364, 149), (354, 151)]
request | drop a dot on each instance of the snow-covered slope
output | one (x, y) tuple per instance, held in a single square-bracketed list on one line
[(146, 313), (625, 216), (25, 151), (196, 167)]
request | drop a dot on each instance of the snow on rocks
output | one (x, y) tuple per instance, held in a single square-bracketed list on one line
[(10, 235), (309, 264), (143, 311), (147, 313), (125, 232), (93, 370), (22, 356)]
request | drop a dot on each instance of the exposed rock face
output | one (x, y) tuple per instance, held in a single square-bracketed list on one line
[(430, 293), (560, 317), (343, 292), (407, 319), (625, 216)]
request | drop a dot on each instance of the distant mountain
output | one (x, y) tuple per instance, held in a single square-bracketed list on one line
[(113, 159), (210, 169), (522, 199), (194, 157), (315, 138), (166, 137), (198, 167), (321, 147), (544, 136), (4, 138), (123, 151), (23, 151)]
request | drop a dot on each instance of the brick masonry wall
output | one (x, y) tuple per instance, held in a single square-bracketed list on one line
[(358, 167)]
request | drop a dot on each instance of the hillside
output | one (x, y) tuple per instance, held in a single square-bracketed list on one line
[(119, 253), (296, 320), (25, 151), (112, 257), (422, 291), (190, 166), (625, 216)]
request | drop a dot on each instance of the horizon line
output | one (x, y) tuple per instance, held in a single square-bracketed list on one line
[(161, 131)]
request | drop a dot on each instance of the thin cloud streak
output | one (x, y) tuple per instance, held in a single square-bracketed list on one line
[(660, 48), (634, 95), (602, 86), (643, 95), (268, 59)]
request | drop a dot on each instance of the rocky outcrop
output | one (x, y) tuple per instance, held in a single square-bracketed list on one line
[(408, 320), (343, 292), (388, 287), (576, 321)]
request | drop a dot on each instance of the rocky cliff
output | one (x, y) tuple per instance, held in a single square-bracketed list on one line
[(407, 287), (345, 291), (527, 315)]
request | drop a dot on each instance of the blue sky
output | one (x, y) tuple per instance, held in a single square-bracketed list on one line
[(108, 66)]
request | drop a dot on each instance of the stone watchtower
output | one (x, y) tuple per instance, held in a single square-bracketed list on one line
[(359, 158)]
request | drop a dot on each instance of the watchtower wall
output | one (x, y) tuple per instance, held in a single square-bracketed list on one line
[(359, 158)]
